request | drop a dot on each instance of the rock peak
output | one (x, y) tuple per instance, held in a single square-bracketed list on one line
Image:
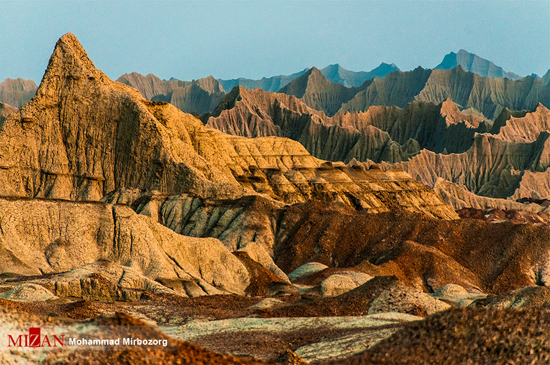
[(69, 63)]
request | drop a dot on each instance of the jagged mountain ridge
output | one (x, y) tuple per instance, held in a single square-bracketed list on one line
[(380, 134), (317, 92), (475, 64), (433, 141), (131, 142), (335, 73), (17, 92), (198, 96), (489, 96), (512, 164)]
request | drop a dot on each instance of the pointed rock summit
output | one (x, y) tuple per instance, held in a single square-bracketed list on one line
[(319, 93), (338, 74), (84, 135), (475, 64)]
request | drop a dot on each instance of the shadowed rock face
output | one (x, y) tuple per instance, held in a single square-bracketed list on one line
[(200, 96), (5, 111), (380, 134), (424, 253), (511, 164), (487, 95), (317, 92), (16, 92), (431, 142)]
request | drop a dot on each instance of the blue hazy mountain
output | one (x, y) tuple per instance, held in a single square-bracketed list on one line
[(475, 64)]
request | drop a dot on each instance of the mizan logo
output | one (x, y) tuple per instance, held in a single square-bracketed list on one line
[(34, 339)]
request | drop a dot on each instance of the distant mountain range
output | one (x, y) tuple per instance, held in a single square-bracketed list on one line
[(466, 78), (199, 96), (475, 64), (16, 92), (334, 73)]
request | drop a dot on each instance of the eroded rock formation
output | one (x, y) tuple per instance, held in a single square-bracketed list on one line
[(16, 92), (197, 96)]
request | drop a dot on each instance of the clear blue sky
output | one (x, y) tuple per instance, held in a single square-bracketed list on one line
[(229, 39)]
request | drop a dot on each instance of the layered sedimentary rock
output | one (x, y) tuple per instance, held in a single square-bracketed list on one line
[(380, 134), (198, 96), (17, 92), (475, 64), (425, 253), (507, 159), (255, 225), (511, 164), (83, 135), (59, 236)]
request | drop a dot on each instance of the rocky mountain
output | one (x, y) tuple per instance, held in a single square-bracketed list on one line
[(17, 92), (475, 64), (216, 244), (83, 136), (483, 165), (5, 111), (380, 134), (197, 96), (546, 77), (337, 74), (317, 92), (511, 165), (273, 83), (489, 96)]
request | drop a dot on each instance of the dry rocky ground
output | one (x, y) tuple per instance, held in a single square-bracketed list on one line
[(123, 217)]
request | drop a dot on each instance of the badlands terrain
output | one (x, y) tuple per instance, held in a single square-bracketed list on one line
[(327, 217)]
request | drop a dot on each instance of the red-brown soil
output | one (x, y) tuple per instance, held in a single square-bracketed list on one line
[(353, 303), (177, 352), (492, 257)]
